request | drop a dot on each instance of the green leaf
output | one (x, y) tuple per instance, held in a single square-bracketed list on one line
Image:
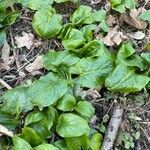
[(131, 4), (120, 8), (43, 121), (51, 115), (61, 145), (85, 109), (16, 100), (53, 59), (33, 117), (87, 31), (68, 125), (46, 147), (20, 144), (82, 15), (125, 80), (74, 41), (31, 136), (93, 71), (96, 141), (47, 23), (92, 48), (10, 18), (136, 61), (61, 1), (66, 103), (147, 46), (41, 129), (39, 4), (125, 51), (99, 15), (64, 33), (23, 2), (121, 5), (146, 57), (103, 25), (2, 37), (47, 90), (77, 143), (8, 121), (145, 15)]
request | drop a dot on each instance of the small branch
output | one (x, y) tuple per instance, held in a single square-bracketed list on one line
[(5, 84), (112, 130)]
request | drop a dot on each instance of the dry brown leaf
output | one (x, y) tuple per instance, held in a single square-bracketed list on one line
[(111, 20), (133, 20), (113, 37), (26, 40), (4, 67), (117, 39), (5, 131), (94, 94), (6, 53), (36, 65)]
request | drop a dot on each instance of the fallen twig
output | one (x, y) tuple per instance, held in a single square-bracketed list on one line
[(5, 84), (5, 131), (112, 130)]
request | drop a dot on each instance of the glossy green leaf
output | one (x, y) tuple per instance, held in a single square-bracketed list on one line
[(93, 71), (146, 57), (125, 51), (85, 109), (99, 15), (42, 122), (31, 136), (103, 25), (82, 15), (10, 18), (77, 143), (51, 115), (23, 2), (88, 32), (39, 4), (53, 59), (68, 125), (47, 23), (41, 129), (16, 100), (121, 5), (125, 80), (20, 144), (46, 147), (93, 48), (136, 61), (47, 90), (8, 121), (66, 103), (33, 117), (61, 145), (96, 141), (145, 15), (74, 41), (131, 4), (61, 1)]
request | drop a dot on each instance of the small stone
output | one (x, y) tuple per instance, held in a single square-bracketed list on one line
[(139, 35)]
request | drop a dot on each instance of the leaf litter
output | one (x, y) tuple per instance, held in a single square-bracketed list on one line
[(115, 38)]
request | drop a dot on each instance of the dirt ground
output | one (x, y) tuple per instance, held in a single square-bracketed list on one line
[(136, 106)]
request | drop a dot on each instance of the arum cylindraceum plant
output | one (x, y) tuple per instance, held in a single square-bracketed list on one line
[(51, 107)]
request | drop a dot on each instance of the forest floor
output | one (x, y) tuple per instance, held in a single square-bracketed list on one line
[(135, 127)]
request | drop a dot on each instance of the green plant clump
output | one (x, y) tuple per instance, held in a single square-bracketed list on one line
[(51, 104)]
